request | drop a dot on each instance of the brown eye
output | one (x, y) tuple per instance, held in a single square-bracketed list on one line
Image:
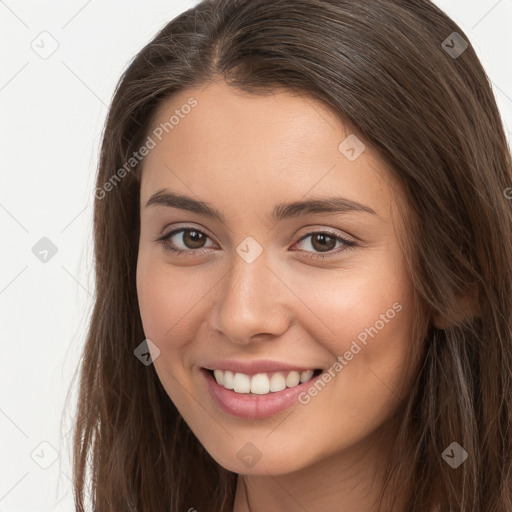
[(322, 242), (193, 239)]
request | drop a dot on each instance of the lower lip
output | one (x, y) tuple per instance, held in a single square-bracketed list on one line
[(250, 406)]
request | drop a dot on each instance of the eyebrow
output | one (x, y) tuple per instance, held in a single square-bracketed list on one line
[(333, 204)]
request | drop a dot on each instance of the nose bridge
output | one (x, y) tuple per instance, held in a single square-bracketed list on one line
[(251, 300)]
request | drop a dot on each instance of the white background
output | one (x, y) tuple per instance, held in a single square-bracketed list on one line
[(51, 116)]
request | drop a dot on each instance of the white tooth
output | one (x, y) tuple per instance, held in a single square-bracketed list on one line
[(260, 384), (277, 382), (242, 383), (228, 380), (306, 375), (219, 376), (293, 379)]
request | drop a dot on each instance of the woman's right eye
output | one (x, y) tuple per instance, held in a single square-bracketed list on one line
[(191, 238)]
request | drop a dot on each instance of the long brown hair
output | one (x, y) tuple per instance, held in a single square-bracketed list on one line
[(389, 69)]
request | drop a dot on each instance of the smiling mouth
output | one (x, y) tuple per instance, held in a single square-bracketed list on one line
[(261, 383)]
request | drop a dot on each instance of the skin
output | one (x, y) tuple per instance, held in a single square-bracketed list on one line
[(245, 153)]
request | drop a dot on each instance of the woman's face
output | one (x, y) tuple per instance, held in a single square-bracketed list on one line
[(266, 289)]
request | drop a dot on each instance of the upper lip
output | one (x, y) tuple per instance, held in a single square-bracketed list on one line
[(257, 366)]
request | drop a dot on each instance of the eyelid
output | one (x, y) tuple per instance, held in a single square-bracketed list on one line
[(314, 229), (184, 227)]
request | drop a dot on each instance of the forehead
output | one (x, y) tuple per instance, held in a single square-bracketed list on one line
[(281, 145)]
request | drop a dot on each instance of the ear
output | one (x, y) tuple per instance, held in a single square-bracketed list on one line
[(464, 311)]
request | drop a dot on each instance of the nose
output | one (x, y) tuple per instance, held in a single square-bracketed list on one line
[(252, 302)]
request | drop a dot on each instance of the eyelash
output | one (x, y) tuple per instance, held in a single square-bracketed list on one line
[(349, 244)]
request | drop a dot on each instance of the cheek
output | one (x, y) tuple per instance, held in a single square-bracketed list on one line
[(372, 318), (360, 303), (166, 298), (364, 317)]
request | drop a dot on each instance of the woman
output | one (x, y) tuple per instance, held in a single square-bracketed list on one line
[(303, 268)]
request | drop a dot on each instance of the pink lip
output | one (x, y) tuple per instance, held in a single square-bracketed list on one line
[(253, 367), (249, 406)]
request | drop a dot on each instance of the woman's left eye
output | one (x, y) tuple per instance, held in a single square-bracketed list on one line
[(325, 242), (193, 240)]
